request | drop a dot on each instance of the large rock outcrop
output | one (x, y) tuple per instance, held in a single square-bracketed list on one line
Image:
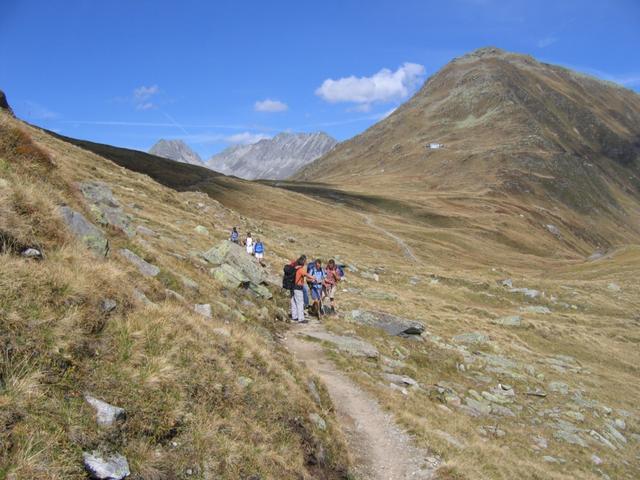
[(234, 268), (4, 104), (391, 324)]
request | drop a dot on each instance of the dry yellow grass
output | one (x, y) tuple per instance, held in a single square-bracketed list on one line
[(465, 242), (173, 371)]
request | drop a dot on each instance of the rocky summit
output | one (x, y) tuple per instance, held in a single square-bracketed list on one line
[(274, 158), (176, 150)]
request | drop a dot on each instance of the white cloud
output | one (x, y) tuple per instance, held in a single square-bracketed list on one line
[(144, 93), (382, 87), (546, 41), (246, 138), (142, 97), (269, 105)]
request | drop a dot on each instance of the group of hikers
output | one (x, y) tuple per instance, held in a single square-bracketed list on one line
[(254, 248), (310, 284)]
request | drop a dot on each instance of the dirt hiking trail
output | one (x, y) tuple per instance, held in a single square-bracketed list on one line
[(406, 249), (380, 449)]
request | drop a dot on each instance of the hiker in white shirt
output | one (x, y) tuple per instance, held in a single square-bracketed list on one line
[(249, 244)]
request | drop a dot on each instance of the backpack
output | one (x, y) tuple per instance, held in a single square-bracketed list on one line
[(340, 269), (258, 248), (234, 236), (289, 277)]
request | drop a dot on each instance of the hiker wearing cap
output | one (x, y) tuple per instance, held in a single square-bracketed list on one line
[(235, 236), (316, 271), (331, 279), (248, 243)]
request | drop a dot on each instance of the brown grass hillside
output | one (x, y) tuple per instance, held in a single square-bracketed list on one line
[(178, 375)]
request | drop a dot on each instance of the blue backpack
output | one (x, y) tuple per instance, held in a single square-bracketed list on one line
[(234, 236), (258, 248)]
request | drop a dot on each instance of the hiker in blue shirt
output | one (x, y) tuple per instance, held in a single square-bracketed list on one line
[(317, 272), (258, 251), (235, 236)]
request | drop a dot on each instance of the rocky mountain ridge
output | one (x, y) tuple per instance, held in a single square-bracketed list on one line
[(275, 158), (176, 150)]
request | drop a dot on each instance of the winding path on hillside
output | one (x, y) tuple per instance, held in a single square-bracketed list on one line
[(406, 249), (380, 449)]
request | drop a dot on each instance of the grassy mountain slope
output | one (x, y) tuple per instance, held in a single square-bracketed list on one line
[(178, 375), (517, 132)]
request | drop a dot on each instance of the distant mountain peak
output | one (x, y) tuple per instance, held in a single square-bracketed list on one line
[(176, 150), (272, 158)]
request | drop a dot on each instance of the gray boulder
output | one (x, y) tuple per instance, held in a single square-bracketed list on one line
[(143, 267), (391, 324), (231, 254), (106, 414), (108, 305), (104, 207), (471, 338), (352, 346), (106, 467), (511, 321), (88, 233), (318, 421), (142, 230), (203, 309), (232, 278)]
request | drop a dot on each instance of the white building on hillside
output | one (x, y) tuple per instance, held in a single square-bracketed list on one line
[(435, 146)]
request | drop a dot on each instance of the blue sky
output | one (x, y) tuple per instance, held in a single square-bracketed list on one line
[(213, 73)]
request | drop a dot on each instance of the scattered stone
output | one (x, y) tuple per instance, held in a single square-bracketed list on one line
[(203, 309), (596, 459), (106, 467), (352, 346), (478, 406), (143, 267), (620, 424), (32, 253), (559, 387), (318, 421), (550, 459), (536, 309), (614, 287), (106, 414), (540, 443), (553, 230), (108, 305), (174, 295), (577, 416), (244, 382), (511, 321), (189, 284), (313, 390), (391, 324), (507, 283), (104, 207), (598, 437), (141, 297), (142, 230), (202, 230), (492, 430), (370, 276), (87, 232), (471, 338), (233, 278), (527, 292), (222, 332), (400, 389), (536, 393), (401, 380)]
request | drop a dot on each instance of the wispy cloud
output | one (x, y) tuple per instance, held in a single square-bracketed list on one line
[(546, 41), (271, 106), (381, 87), (143, 95), (40, 112)]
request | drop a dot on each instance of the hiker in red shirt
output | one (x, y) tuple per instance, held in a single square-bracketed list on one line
[(331, 280)]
